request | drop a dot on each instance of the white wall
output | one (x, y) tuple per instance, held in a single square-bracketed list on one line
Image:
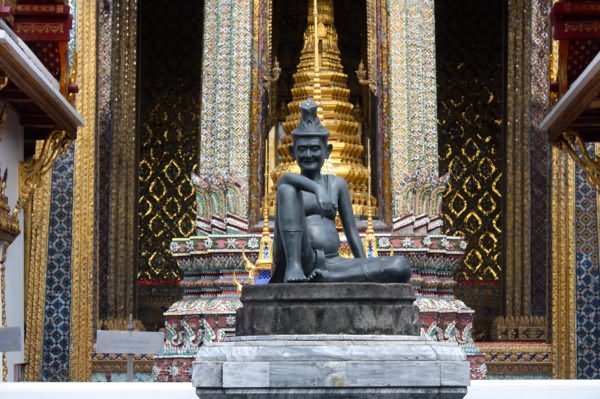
[(11, 153)]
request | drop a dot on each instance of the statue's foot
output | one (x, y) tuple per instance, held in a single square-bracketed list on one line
[(320, 275), (294, 275)]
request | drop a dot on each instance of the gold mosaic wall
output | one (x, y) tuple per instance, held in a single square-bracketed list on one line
[(469, 44), (170, 65)]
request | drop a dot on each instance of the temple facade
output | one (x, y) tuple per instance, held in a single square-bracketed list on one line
[(142, 169)]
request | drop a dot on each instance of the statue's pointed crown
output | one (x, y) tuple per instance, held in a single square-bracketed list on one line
[(309, 125)]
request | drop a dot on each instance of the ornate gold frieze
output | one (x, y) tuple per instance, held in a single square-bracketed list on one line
[(83, 251), (564, 351), (517, 359), (116, 363), (520, 328)]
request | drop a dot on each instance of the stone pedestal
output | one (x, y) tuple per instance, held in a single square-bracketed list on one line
[(329, 367), (333, 308), (327, 341)]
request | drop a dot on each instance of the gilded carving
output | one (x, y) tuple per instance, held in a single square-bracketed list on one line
[(32, 171), (123, 168), (564, 352), (36, 246), (574, 145), (82, 272)]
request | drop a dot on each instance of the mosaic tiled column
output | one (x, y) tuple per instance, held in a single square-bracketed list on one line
[(57, 304), (226, 86), (412, 91), (587, 277)]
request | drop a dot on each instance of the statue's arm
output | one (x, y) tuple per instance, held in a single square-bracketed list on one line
[(300, 182), (348, 220), (305, 184)]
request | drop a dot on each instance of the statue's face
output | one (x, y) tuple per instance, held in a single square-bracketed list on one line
[(310, 152)]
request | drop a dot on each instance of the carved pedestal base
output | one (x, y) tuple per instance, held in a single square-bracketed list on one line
[(330, 366)]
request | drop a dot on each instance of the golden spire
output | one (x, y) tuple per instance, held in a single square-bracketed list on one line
[(317, 63), (320, 75), (369, 241), (265, 247)]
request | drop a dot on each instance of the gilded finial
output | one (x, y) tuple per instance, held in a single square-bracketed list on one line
[(369, 241), (265, 246)]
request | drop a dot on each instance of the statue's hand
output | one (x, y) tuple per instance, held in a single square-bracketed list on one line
[(324, 201)]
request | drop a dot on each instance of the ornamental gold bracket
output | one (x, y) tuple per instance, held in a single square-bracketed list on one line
[(31, 172), (573, 144)]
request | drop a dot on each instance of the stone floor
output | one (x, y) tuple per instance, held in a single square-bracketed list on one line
[(505, 389)]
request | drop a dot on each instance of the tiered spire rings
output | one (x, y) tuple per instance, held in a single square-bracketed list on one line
[(320, 75)]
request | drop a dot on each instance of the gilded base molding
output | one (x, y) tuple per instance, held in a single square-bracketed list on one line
[(517, 359), (521, 328), (117, 363)]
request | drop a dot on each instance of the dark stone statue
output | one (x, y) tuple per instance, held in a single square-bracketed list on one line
[(306, 239)]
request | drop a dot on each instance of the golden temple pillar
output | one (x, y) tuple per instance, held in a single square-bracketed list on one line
[(83, 251), (528, 99), (564, 350)]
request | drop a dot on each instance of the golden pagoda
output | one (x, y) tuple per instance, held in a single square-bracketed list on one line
[(320, 75)]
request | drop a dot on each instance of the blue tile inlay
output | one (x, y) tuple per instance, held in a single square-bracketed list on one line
[(587, 279), (57, 312)]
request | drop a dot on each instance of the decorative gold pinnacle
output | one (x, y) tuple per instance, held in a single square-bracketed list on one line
[(265, 247), (320, 75), (369, 240)]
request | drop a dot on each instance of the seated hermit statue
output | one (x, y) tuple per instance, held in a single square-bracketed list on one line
[(306, 240)]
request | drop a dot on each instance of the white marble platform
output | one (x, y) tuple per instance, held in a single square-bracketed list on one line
[(491, 389), (328, 366)]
